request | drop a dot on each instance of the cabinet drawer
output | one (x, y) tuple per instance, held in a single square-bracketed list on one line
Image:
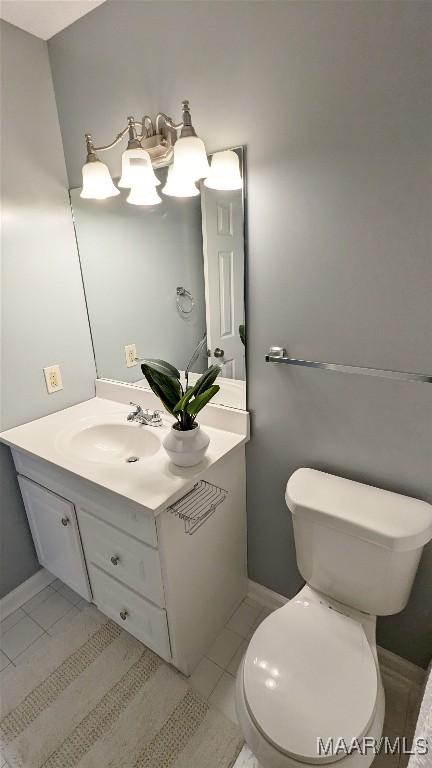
[(142, 619), (121, 556), (55, 534)]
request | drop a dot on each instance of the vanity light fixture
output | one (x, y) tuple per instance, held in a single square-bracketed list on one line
[(224, 171), (178, 186), (134, 162), (142, 195), (190, 156), (149, 145), (141, 180), (97, 181)]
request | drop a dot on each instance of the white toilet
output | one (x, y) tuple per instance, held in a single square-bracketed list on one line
[(311, 671)]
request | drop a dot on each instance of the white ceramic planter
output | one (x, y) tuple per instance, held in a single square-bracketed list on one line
[(186, 449)]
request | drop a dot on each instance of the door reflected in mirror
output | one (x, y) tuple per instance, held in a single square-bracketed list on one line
[(166, 282)]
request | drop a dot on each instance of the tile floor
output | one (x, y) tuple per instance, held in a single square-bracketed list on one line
[(28, 628), (214, 676), (23, 631)]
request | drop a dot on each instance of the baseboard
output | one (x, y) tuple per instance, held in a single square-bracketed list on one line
[(25, 591), (390, 661), (265, 597), (395, 664)]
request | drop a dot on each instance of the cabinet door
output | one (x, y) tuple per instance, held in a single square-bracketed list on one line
[(56, 536)]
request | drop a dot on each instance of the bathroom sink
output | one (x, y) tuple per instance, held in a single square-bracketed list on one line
[(112, 443), (93, 440)]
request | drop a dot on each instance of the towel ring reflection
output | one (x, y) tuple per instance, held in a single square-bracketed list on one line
[(185, 301)]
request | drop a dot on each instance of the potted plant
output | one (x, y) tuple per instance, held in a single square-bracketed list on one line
[(186, 443)]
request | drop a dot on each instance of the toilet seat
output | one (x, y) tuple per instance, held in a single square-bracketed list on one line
[(309, 672)]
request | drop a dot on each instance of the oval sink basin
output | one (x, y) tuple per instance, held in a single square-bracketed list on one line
[(113, 442)]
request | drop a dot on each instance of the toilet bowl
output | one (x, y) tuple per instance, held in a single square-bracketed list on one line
[(309, 689), (311, 673)]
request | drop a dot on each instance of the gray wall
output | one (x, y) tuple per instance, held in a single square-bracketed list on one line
[(132, 261), (333, 102), (43, 310)]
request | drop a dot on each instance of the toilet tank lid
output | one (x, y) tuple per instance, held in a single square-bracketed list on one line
[(382, 517)]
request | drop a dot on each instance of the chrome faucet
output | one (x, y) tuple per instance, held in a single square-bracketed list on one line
[(150, 418)]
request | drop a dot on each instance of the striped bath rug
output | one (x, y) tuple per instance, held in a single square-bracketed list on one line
[(95, 697)]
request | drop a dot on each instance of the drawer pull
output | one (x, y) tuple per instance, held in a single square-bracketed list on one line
[(123, 615), (65, 521), (115, 559)]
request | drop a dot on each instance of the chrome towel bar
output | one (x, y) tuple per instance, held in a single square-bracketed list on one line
[(279, 355)]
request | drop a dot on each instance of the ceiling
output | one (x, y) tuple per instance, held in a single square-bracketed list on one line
[(44, 18)]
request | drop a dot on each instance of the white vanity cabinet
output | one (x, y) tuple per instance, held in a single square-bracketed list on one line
[(172, 590), (56, 536)]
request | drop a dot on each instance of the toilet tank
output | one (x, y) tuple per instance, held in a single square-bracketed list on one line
[(355, 543)]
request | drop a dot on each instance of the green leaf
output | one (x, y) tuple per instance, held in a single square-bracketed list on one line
[(184, 400), (160, 394), (167, 388), (161, 366), (242, 334), (206, 380), (201, 400), (170, 386), (166, 402)]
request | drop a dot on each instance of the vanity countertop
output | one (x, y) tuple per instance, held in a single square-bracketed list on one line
[(153, 481)]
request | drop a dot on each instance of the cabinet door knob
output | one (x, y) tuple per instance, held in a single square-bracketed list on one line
[(123, 615), (65, 521), (115, 559)]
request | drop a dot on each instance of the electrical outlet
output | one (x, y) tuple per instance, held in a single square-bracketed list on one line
[(130, 354), (53, 378)]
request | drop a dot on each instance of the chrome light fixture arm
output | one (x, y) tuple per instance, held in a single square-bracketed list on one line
[(136, 130), (163, 119), (139, 131), (185, 126), (91, 149), (146, 127)]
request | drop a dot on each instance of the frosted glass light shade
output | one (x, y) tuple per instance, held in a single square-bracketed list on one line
[(224, 171), (97, 181), (177, 185), (143, 194), (190, 158), (136, 160)]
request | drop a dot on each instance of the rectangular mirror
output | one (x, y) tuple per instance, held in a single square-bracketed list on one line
[(168, 282)]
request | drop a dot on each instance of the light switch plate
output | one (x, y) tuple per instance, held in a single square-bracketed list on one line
[(130, 354), (53, 378)]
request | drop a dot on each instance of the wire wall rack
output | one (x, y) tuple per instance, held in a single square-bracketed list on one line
[(198, 505)]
